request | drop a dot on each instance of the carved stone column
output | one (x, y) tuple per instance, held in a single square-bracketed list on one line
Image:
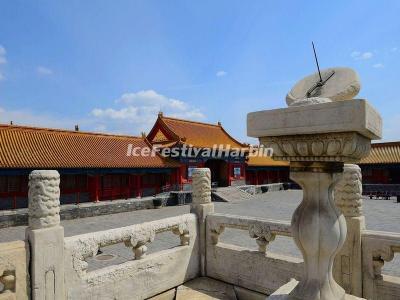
[(45, 235), (319, 230), (202, 206), (348, 262)]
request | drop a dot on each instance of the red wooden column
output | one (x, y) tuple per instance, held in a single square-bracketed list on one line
[(181, 172), (229, 173), (97, 187), (138, 186)]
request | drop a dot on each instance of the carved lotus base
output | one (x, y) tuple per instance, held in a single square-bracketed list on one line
[(329, 147)]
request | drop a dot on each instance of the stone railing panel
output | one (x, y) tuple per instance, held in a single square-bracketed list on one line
[(260, 270), (379, 247), (14, 275), (143, 276)]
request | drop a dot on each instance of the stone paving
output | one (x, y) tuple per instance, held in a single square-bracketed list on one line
[(381, 215)]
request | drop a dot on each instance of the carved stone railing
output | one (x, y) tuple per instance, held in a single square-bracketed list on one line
[(379, 247), (260, 270), (262, 230), (14, 275), (128, 279)]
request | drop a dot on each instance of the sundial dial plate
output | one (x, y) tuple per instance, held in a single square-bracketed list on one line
[(337, 84)]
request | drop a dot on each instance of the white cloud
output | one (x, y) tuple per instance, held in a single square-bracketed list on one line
[(357, 55), (132, 114), (221, 73), (44, 71), (136, 112), (378, 66), (1, 76)]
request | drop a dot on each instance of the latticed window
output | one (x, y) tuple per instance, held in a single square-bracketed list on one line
[(3, 184), (13, 184)]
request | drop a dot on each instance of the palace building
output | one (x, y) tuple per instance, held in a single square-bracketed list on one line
[(226, 169), (97, 166), (264, 170), (382, 165), (92, 166)]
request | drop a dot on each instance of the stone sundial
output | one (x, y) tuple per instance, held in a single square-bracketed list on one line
[(332, 84), (343, 84), (322, 128)]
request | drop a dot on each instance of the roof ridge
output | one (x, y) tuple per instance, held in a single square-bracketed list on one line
[(382, 144), (48, 129), (190, 121)]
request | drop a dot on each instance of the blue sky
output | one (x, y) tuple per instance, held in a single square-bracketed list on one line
[(112, 65)]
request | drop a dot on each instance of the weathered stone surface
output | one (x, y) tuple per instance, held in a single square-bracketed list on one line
[(144, 277), (204, 288), (250, 268), (45, 235), (245, 294), (201, 186), (44, 199), (348, 191), (347, 268), (377, 248), (168, 295), (343, 85), (202, 206), (343, 116), (310, 101), (284, 292), (47, 266), (14, 274), (334, 147)]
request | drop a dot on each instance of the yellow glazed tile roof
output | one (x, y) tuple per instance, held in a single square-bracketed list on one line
[(199, 134), (383, 153), (265, 161), (32, 147)]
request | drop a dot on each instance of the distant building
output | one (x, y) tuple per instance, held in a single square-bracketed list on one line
[(226, 170), (93, 166), (264, 170), (382, 165), (97, 166)]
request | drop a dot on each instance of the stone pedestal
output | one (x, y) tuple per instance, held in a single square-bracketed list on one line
[(202, 206), (45, 235), (317, 139)]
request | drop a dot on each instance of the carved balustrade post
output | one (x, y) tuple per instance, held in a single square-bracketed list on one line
[(348, 262), (202, 206), (139, 240), (45, 235), (263, 236), (183, 233)]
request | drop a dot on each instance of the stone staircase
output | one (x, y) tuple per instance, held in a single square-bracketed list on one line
[(230, 194)]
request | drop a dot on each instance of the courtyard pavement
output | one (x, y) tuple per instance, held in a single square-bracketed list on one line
[(381, 215)]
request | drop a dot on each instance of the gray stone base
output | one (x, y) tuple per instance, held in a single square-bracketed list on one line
[(283, 293), (19, 217), (205, 288)]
